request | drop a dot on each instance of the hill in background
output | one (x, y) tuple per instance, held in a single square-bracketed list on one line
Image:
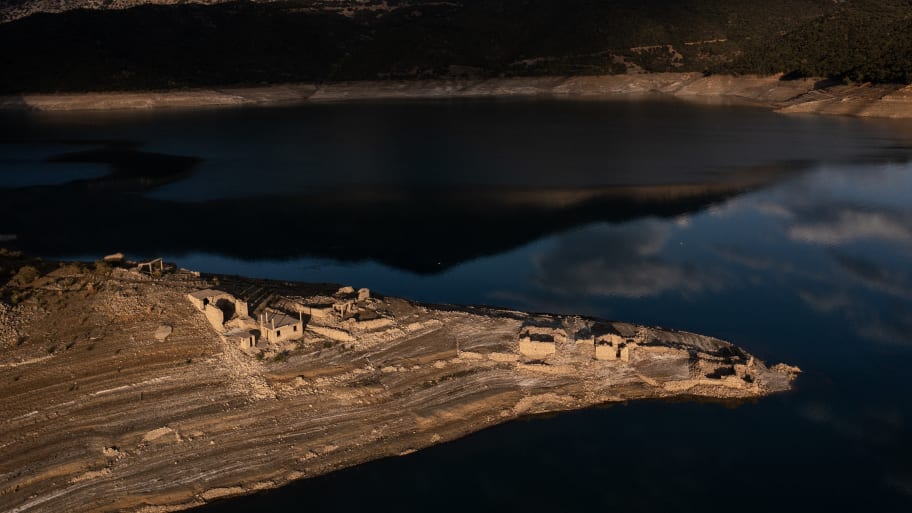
[(132, 44)]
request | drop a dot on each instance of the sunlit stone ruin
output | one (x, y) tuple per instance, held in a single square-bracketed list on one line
[(539, 339), (266, 320), (282, 323), (350, 316), (228, 315)]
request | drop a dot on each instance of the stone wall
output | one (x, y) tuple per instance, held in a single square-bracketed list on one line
[(285, 333), (244, 340), (611, 346), (196, 302), (558, 334), (609, 338), (240, 308), (373, 324), (318, 312), (535, 349), (586, 344), (331, 333), (606, 352), (215, 316), (627, 352)]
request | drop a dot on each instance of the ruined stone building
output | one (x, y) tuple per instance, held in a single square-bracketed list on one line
[(228, 315), (345, 309), (319, 311), (280, 327), (245, 338), (540, 341), (219, 307), (611, 346), (273, 324)]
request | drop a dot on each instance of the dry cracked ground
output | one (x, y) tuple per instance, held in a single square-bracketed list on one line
[(119, 396)]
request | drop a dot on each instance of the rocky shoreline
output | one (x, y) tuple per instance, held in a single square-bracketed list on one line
[(807, 95), (123, 392)]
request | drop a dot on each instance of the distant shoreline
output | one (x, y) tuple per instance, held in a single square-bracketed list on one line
[(789, 96)]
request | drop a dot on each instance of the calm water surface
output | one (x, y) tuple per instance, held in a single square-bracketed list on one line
[(790, 236)]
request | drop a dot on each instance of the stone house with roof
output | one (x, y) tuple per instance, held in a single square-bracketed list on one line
[(278, 326)]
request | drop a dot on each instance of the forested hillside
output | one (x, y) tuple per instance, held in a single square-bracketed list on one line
[(119, 45)]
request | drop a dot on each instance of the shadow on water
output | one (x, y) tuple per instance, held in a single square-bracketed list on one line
[(417, 186), (131, 170), (420, 229)]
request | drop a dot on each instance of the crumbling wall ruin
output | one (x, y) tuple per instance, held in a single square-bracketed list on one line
[(537, 341), (240, 308), (215, 316), (536, 349), (331, 333), (611, 346), (227, 315)]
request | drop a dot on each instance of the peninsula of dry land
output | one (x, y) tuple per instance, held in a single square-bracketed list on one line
[(160, 389)]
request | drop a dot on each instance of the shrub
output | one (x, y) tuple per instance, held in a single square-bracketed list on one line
[(71, 268), (27, 274), (102, 267)]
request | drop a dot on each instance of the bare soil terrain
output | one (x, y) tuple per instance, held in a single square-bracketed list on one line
[(806, 95), (120, 395)]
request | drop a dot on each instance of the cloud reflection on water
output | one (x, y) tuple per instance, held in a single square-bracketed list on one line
[(860, 219), (836, 225), (828, 238), (626, 260)]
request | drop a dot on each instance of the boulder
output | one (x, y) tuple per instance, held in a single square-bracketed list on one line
[(162, 332)]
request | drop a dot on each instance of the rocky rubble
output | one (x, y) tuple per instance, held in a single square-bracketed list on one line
[(14, 321)]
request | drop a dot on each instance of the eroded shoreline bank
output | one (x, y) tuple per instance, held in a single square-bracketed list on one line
[(788, 96), (122, 395)]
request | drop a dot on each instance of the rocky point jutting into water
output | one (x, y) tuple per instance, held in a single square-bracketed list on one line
[(150, 388)]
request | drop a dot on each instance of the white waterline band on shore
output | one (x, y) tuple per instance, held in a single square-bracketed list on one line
[(791, 96)]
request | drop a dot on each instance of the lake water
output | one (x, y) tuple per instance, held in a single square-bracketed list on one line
[(790, 236)]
